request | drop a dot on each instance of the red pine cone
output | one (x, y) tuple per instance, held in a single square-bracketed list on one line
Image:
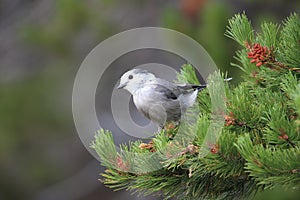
[(229, 119), (215, 149), (259, 54)]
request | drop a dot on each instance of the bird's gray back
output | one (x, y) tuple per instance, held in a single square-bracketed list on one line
[(161, 100)]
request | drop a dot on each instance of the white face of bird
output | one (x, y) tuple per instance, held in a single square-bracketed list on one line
[(135, 79)]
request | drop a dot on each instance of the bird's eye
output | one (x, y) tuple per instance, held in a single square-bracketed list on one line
[(130, 77)]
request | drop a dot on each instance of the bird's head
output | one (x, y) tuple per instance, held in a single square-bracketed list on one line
[(135, 79)]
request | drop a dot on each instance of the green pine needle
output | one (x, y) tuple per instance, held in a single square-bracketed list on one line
[(259, 147), (240, 29)]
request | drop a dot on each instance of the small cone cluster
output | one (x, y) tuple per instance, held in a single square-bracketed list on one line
[(149, 146), (283, 135), (259, 54), (229, 119), (121, 165)]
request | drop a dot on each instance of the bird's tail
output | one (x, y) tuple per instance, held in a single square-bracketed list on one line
[(201, 87)]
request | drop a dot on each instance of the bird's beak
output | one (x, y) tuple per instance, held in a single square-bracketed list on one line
[(122, 85)]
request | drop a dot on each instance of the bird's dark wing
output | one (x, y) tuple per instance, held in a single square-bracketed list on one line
[(176, 89), (188, 87), (165, 91)]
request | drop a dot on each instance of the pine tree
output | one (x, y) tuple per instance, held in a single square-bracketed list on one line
[(259, 147)]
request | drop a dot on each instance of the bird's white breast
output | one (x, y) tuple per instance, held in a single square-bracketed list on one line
[(143, 97)]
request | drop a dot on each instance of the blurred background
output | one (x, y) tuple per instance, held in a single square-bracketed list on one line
[(42, 44)]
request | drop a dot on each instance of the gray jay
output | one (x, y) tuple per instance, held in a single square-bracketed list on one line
[(159, 100)]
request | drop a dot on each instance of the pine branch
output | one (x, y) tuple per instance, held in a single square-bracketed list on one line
[(259, 147), (269, 34), (187, 75), (289, 46), (105, 148), (240, 30), (270, 166)]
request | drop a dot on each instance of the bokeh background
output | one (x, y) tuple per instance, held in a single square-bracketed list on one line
[(42, 44)]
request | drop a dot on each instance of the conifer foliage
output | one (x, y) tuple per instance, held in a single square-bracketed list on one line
[(260, 143)]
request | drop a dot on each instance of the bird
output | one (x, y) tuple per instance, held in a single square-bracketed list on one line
[(159, 100)]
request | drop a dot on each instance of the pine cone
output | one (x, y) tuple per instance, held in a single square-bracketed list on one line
[(259, 54)]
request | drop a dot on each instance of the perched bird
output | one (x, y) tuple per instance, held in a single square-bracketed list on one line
[(159, 100)]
